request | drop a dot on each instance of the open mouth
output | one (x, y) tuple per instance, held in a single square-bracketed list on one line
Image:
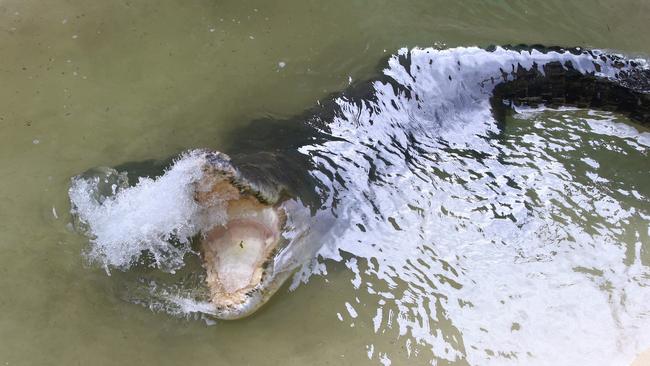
[(235, 254), (238, 247)]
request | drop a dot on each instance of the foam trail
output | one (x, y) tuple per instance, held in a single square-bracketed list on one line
[(467, 262), (156, 215)]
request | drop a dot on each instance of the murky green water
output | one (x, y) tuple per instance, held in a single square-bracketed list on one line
[(84, 84)]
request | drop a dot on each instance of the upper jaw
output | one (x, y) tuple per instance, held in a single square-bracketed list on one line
[(219, 167)]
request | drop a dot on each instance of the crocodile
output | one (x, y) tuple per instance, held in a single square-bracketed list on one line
[(271, 166)]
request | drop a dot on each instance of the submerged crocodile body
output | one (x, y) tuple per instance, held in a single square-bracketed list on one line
[(271, 174)]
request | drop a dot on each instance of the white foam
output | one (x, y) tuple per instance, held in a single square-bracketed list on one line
[(187, 305), (156, 215), (519, 297)]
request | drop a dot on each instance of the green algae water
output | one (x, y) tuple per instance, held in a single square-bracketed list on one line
[(101, 84)]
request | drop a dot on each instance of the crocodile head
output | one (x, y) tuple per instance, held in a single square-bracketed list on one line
[(238, 248)]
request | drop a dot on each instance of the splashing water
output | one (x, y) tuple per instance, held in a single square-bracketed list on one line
[(481, 245), (158, 215)]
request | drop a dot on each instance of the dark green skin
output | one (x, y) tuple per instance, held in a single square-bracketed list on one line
[(266, 149), (561, 85)]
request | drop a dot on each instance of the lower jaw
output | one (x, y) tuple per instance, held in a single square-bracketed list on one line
[(255, 299), (238, 258)]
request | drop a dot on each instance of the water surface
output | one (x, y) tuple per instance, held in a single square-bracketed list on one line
[(89, 84)]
